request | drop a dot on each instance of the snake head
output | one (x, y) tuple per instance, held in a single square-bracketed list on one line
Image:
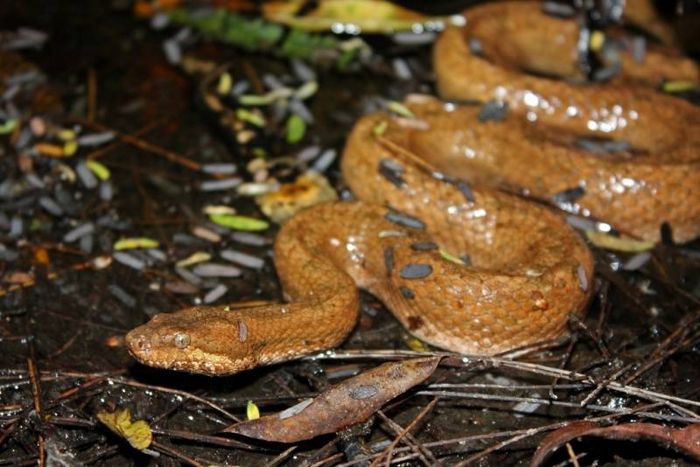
[(205, 340)]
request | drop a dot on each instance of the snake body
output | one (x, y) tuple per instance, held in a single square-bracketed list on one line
[(464, 267)]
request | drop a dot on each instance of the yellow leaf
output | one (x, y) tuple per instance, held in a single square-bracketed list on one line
[(212, 210), (597, 40), (66, 135), (252, 411), (625, 244), (678, 86), (225, 83), (380, 128), (137, 433), (194, 258), (399, 109), (98, 169), (70, 148), (417, 345), (135, 243), (254, 118), (446, 255)]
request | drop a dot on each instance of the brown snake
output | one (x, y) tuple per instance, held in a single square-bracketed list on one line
[(527, 270), (519, 296)]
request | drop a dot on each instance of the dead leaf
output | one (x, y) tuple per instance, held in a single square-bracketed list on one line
[(18, 278), (41, 256), (610, 242), (345, 404), (308, 189), (685, 440), (368, 16), (137, 433)]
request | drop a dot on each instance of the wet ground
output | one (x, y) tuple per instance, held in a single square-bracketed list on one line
[(62, 358)]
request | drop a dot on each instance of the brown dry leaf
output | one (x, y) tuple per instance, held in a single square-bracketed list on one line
[(18, 278), (345, 404), (685, 440), (137, 433), (41, 256)]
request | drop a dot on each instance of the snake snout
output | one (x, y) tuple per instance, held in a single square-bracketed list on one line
[(138, 343)]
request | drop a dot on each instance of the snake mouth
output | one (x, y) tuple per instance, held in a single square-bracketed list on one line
[(143, 348)]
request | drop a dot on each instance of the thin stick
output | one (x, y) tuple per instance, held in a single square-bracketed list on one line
[(572, 455), (424, 454), (175, 454), (102, 151), (389, 449), (281, 457), (497, 446), (201, 438), (170, 156), (185, 394), (36, 396), (691, 418)]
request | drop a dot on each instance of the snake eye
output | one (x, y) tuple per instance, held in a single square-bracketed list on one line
[(181, 340)]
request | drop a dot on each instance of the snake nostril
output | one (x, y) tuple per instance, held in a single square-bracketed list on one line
[(141, 343)]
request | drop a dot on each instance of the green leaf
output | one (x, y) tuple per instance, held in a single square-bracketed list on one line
[(296, 127), (380, 128), (236, 222), (8, 126), (253, 118), (70, 148), (399, 109), (446, 255), (194, 258), (225, 83), (306, 90), (254, 99)]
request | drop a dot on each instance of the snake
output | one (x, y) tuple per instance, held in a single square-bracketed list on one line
[(462, 263), (392, 242)]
